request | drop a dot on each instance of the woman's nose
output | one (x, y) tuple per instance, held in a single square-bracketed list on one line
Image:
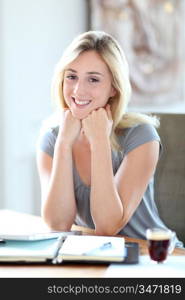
[(79, 88)]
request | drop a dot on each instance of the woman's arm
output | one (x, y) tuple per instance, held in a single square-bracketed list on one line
[(114, 199), (58, 201), (106, 206), (56, 177), (105, 203), (134, 174)]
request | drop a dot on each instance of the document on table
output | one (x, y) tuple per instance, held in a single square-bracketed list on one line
[(87, 248), (173, 267)]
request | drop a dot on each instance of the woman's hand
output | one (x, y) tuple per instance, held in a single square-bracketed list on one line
[(69, 129), (98, 125)]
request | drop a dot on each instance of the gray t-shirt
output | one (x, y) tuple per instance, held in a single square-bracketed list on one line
[(146, 215)]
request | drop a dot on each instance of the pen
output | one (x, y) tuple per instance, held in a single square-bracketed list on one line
[(59, 243), (101, 247)]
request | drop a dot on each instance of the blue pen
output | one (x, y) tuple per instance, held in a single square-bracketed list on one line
[(101, 247)]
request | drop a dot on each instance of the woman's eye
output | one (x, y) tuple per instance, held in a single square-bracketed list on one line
[(71, 77), (93, 79)]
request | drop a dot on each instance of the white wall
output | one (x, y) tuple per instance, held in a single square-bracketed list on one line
[(1, 114), (34, 36)]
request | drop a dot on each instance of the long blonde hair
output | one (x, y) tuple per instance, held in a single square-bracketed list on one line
[(112, 54)]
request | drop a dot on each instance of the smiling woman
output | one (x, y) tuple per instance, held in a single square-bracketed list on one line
[(96, 167)]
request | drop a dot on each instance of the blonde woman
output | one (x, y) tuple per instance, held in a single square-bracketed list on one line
[(96, 167)]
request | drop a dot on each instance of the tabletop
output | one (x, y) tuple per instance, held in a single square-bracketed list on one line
[(16, 222)]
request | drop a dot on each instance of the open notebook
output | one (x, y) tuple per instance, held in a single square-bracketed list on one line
[(92, 248), (70, 248)]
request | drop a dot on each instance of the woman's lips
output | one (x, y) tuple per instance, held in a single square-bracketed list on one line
[(81, 103)]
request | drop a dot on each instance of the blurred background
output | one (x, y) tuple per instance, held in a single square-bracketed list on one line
[(33, 37)]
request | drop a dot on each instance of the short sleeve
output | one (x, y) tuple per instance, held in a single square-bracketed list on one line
[(138, 135), (46, 141)]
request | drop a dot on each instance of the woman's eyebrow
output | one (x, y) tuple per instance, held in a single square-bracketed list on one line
[(91, 72), (71, 70), (94, 72)]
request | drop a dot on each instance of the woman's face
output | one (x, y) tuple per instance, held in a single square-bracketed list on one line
[(87, 84)]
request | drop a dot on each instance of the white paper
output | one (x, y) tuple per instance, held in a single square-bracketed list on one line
[(88, 246), (173, 267)]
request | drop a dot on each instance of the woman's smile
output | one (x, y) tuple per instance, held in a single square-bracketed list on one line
[(81, 103)]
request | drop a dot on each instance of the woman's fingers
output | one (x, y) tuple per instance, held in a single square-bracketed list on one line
[(108, 110)]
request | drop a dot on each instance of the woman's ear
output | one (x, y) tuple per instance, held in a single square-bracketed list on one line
[(113, 92)]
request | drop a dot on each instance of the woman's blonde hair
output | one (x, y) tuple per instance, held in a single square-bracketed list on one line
[(112, 54)]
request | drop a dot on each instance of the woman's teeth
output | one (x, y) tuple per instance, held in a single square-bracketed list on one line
[(84, 102)]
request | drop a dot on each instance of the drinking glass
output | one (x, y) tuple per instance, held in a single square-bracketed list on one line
[(161, 242)]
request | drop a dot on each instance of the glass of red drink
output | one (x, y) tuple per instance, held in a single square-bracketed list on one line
[(160, 243)]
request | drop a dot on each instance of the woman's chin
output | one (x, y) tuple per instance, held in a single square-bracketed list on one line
[(79, 115)]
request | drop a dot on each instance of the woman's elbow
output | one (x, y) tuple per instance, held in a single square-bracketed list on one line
[(56, 225), (109, 229)]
